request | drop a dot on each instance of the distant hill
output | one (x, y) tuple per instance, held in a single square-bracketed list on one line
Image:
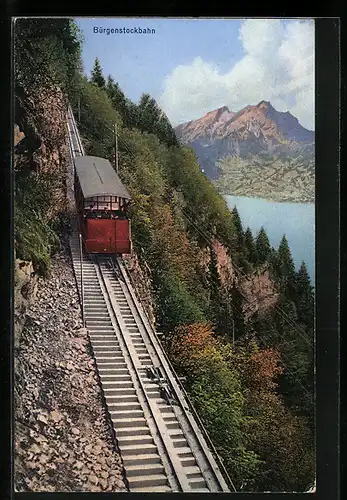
[(229, 143)]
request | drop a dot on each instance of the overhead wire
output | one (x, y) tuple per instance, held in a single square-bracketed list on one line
[(279, 310), (257, 332)]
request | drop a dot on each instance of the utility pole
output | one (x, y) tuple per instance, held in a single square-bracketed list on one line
[(115, 126), (79, 109)]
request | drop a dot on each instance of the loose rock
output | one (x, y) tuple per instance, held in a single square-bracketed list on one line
[(62, 442)]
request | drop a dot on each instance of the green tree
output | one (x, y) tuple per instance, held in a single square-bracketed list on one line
[(262, 246), (175, 305), (215, 286), (285, 257), (47, 53), (217, 396), (153, 120), (117, 97), (304, 296), (286, 269), (98, 117), (214, 383), (132, 119), (96, 75), (237, 302), (250, 246), (237, 223), (282, 441), (148, 112), (279, 438)]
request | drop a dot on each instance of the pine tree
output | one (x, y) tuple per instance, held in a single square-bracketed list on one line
[(237, 222), (132, 115), (149, 114), (240, 252), (304, 296), (154, 121), (250, 246), (286, 269), (303, 280), (286, 257), (117, 97), (262, 246), (237, 301), (109, 84), (96, 75)]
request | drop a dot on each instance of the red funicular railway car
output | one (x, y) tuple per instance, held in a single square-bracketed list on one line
[(102, 203)]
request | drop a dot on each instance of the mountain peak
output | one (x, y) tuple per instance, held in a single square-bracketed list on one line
[(254, 130), (215, 114), (254, 126), (224, 108), (265, 105)]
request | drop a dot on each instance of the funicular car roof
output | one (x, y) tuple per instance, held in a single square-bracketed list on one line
[(97, 177)]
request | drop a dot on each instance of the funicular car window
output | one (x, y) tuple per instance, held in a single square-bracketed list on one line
[(104, 202), (112, 203), (90, 203)]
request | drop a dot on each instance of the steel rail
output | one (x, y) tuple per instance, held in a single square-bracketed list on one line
[(75, 131), (204, 460), (161, 353), (178, 381), (169, 472), (182, 483)]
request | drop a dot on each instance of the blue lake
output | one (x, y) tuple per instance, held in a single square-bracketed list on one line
[(295, 220)]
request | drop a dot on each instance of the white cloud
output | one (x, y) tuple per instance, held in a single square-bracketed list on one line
[(278, 66)]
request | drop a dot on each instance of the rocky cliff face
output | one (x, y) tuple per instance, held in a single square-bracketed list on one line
[(259, 292), (258, 289), (254, 130), (41, 124), (40, 146)]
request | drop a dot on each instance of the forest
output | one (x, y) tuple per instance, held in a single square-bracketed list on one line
[(249, 369)]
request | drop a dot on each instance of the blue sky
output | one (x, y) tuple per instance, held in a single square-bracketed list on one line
[(191, 66), (140, 62)]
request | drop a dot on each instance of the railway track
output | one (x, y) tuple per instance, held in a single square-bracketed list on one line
[(162, 447)]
